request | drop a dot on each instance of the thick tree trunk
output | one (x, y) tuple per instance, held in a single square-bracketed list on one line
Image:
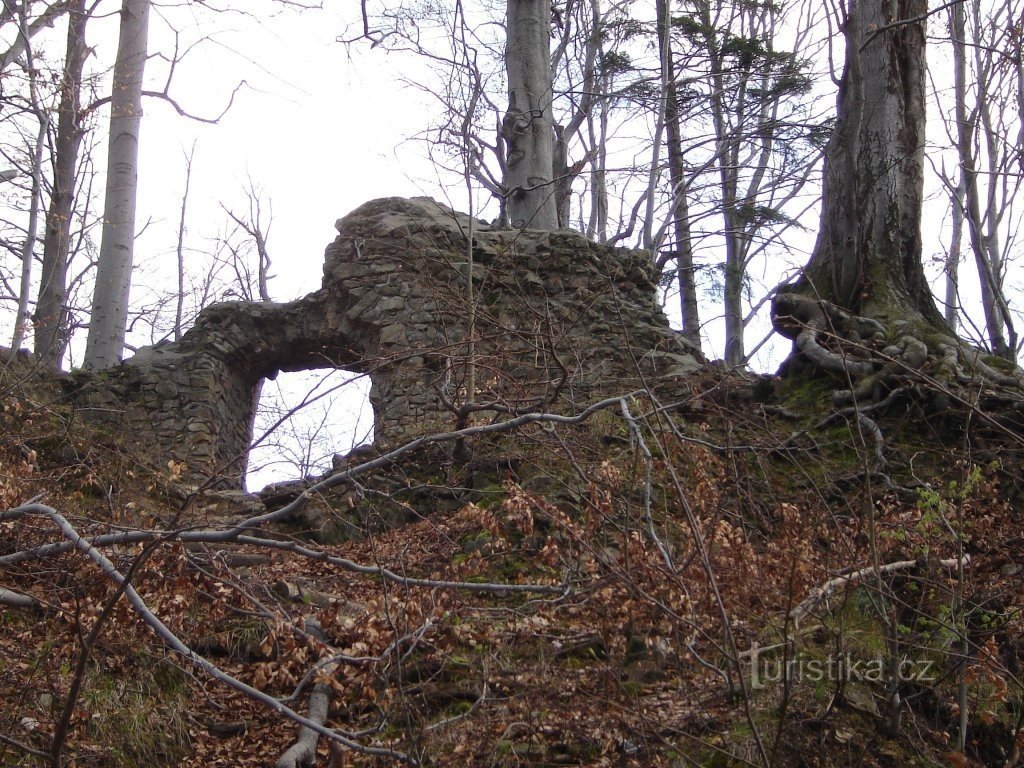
[(527, 126), (50, 318), (867, 258), (863, 310), (114, 272)]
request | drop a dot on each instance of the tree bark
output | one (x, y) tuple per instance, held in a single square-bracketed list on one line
[(867, 257), (32, 230), (682, 245), (527, 126), (862, 310), (727, 144), (113, 275), (982, 226), (50, 317)]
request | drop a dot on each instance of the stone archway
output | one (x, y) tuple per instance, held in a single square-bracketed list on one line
[(556, 318), (306, 422)]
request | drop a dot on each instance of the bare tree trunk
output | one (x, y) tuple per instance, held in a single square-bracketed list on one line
[(867, 257), (114, 272), (952, 268), (727, 145), (179, 304), (50, 316), (983, 242), (597, 129), (260, 233), (31, 231), (588, 29), (527, 126), (682, 246), (727, 152)]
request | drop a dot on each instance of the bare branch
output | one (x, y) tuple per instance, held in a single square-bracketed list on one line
[(175, 644)]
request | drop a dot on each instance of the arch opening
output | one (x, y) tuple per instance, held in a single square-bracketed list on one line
[(303, 420)]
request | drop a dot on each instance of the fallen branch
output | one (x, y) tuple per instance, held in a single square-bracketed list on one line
[(176, 645), (832, 586), (303, 751), (216, 537), (18, 600)]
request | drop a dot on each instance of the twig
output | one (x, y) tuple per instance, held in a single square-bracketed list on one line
[(439, 437), (23, 747), (634, 429)]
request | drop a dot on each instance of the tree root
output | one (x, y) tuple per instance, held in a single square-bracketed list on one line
[(873, 359), (876, 365)]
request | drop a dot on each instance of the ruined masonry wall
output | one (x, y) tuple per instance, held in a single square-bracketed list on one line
[(557, 321)]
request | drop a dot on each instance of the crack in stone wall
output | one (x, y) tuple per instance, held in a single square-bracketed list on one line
[(558, 320)]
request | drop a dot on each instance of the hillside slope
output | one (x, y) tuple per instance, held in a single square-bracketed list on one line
[(627, 587)]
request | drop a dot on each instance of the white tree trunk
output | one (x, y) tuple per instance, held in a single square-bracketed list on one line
[(527, 126), (113, 275)]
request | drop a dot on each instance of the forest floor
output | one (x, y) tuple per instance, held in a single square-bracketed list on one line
[(727, 579)]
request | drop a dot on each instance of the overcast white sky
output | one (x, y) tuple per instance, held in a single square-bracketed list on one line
[(314, 129)]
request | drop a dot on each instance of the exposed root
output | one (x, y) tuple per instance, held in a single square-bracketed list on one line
[(807, 322), (873, 359), (878, 364)]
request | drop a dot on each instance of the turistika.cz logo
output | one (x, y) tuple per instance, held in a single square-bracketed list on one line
[(766, 667)]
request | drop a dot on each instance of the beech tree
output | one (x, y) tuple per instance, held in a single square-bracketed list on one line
[(516, 143), (867, 257), (113, 275), (50, 318), (862, 309), (527, 127)]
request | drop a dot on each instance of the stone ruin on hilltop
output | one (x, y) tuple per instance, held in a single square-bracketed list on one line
[(559, 321)]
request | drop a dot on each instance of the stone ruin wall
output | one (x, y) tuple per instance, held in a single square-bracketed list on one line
[(556, 316)]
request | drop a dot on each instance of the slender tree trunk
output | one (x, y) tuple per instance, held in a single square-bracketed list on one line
[(952, 269), (981, 241), (682, 245), (114, 272), (527, 125), (32, 230), (51, 315), (597, 127), (727, 160), (563, 176), (179, 304)]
